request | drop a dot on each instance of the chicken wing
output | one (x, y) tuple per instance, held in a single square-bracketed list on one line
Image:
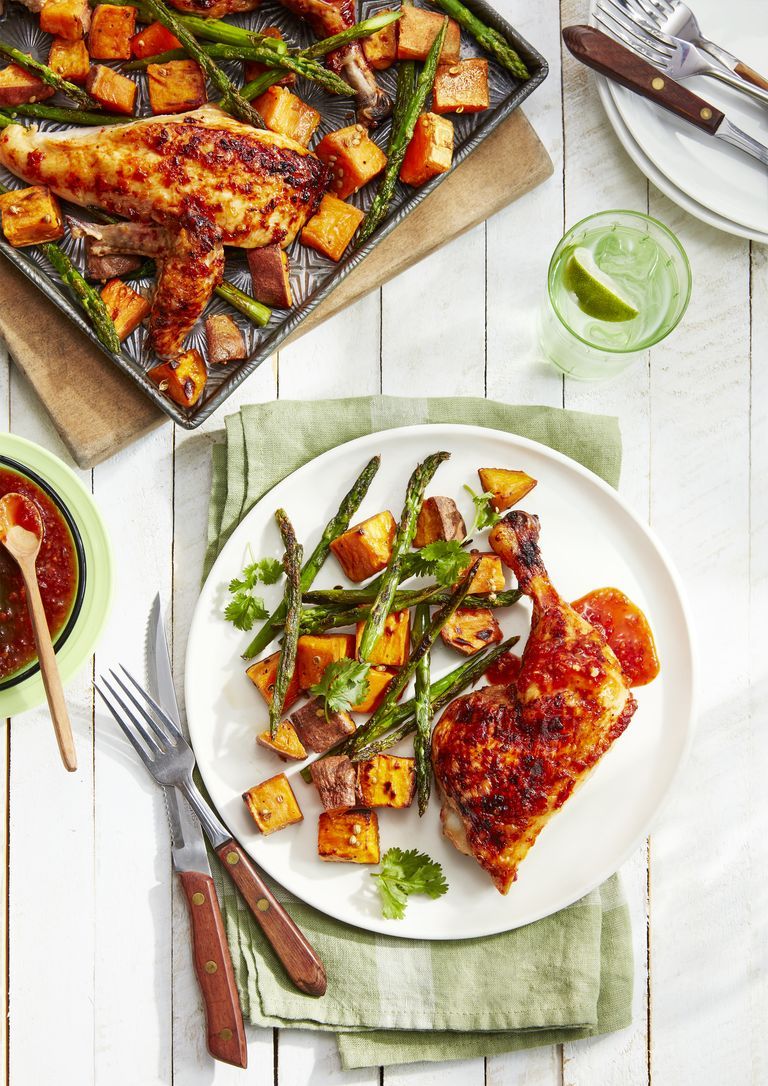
[(506, 758)]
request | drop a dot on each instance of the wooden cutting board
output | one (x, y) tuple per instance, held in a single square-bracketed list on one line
[(97, 410)]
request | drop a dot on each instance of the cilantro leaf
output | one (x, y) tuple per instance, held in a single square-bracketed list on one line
[(445, 560), (245, 609), (266, 570), (485, 515), (404, 873), (344, 683)]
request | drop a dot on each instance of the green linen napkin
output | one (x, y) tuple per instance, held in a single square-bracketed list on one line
[(391, 1000)]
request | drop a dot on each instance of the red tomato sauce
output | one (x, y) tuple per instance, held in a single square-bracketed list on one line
[(626, 629), (56, 572)]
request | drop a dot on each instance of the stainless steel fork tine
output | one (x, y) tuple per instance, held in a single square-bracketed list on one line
[(634, 43), (647, 35), (126, 730), (165, 740), (651, 9), (170, 724)]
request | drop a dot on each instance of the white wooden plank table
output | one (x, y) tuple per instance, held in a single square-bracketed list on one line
[(100, 986)]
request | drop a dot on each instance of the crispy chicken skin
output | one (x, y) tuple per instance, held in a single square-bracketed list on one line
[(205, 178), (506, 758)]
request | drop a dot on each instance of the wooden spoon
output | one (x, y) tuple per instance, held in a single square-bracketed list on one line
[(21, 532)]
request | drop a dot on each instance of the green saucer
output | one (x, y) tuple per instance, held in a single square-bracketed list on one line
[(79, 645)]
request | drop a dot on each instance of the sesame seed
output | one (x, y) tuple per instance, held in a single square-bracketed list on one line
[(353, 840), (357, 828)]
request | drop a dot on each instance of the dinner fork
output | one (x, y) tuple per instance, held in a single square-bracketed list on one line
[(677, 58), (169, 759), (675, 18)]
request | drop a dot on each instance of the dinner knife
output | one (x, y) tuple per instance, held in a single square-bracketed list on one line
[(616, 62), (213, 964)]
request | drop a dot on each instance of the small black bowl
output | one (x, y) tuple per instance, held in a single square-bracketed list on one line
[(26, 473)]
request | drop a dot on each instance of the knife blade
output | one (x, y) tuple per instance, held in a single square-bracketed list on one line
[(213, 965), (608, 57)]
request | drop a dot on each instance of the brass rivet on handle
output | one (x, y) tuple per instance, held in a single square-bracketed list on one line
[(211, 967), (198, 898), (706, 114), (658, 83), (225, 1034), (262, 904), (233, 858)]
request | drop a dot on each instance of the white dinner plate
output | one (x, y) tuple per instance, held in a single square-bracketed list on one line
[(730, 184), (660, 180), (589, 538)]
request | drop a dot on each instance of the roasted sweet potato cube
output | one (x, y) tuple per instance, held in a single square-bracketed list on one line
[(348, 837), (381, 48), (332, 228), (153, 39), (391, 649), (508, 487), (365, 548), (69, 59), (18, 86), (269, 276), (263, 674), (318, 732), (224, 340), (353, 158), (439, 519), (471, 629), (335, 779), (112, 90), (317, 651), (287, 114), (30, 216), (253, 68), (68, 19), (176, 86), (461, 87), (272, 804), (112, 28), (489, 576), (418, 28), (285, 742), (126, 306), (430, 152), (379, 679), (386, 780), (183, 377)]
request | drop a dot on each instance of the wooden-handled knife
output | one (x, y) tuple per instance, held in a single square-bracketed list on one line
[(213, 965), (613, 60)]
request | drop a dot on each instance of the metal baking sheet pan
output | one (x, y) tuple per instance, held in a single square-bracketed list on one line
[(313, 276)]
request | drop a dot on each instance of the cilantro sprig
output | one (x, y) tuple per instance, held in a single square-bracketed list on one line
[(485, 515), (344, 683), (245, 608), (445, 560), (406, 873)]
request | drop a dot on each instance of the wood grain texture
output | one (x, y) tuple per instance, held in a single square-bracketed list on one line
[(97, 410), (621, 65), (213, 966), (298, 958)]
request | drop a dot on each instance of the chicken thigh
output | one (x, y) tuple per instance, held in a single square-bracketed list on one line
[(506, 758)]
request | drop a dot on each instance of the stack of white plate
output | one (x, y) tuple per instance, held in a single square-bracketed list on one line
[(714, 182)]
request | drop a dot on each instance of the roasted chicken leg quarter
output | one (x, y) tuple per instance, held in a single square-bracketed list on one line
[(506, 758), (206, 179)]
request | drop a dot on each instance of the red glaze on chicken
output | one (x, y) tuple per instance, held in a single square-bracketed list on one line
[(507, 757), (205, 178)]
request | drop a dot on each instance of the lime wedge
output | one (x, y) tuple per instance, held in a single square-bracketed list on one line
[(598, 295)]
